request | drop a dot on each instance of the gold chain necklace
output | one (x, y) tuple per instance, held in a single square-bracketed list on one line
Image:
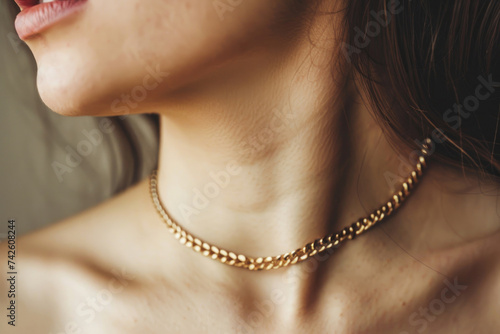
[(300, 254)]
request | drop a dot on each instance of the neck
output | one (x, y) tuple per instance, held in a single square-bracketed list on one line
[(278, 150), (272, 153)]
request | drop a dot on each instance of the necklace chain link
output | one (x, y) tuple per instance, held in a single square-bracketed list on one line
[(300, 254)]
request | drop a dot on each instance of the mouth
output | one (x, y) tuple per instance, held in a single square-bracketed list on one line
[(39, 15)]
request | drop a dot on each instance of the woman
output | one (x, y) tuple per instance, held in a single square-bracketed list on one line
[(281, 123)]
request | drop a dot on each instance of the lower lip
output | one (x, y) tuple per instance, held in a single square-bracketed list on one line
[(33, 20)]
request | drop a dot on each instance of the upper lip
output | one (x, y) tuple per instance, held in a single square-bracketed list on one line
[(23, 4)]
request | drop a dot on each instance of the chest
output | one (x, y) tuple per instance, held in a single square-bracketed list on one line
[(445, 306)]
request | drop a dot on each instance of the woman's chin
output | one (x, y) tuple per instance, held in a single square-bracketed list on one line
[(62, 101), (71, 103), (72, 94), (59, 92), (79, 89)]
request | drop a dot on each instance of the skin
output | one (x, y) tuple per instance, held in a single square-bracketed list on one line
[(262, 70)]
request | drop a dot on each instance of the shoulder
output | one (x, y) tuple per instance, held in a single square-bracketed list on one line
[(65, 273), (490, 287), (483, 286)]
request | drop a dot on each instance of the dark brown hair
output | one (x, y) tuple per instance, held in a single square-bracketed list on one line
[(428, 65)]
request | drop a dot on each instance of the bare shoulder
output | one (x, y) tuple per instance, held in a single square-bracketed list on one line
[(66, 273), (489, 293), (481, 302), (92, 233)]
